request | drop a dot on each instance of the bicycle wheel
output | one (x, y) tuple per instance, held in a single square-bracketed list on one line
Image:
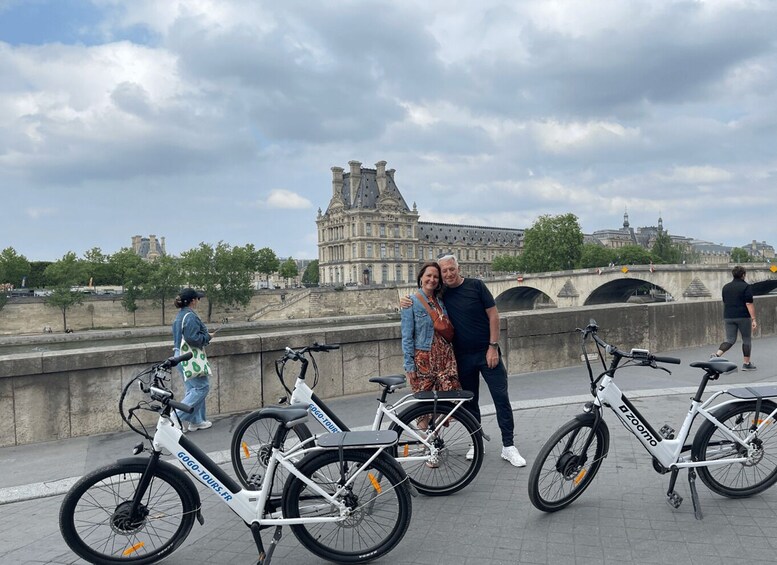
[(738, 480), (562, 470), (95, 522), (251, 448), (378, 500), (453, 439)]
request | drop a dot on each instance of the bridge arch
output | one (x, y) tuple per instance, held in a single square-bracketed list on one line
[(627, 290), (523, 298)]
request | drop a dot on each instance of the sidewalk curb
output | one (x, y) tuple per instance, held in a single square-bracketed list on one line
[(33, 491)]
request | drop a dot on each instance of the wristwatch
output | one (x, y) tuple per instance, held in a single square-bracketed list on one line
[(493, 344)]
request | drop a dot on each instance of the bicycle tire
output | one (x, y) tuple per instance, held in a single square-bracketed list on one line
[(561, 472), (376, 526), (738, 480), (95, 524), (454, 471), (251, 447)]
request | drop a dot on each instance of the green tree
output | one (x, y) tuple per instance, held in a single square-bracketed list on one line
[(14, 268), (506, 264), (739, 256), (225, 273), (132, 273), (288, 269), (63, 276), (632, 255), (664, 251), (553, 243), (163, 281), (37, 277), (595, 256), (266, 261), (97, 267), (310, 276)]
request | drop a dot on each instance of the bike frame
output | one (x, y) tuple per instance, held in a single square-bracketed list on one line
[(668, 452), (304, 395), (248, 504)]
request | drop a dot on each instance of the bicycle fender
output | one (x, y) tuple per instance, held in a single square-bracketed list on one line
[(590, 418), (170, 469)]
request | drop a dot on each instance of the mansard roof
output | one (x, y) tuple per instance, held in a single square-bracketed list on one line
[(449, 233), (367, 194)]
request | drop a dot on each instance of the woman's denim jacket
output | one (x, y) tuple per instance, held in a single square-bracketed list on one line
[(417, 330), (195, 332)]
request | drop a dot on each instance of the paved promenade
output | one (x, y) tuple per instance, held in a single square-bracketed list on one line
[(621, 518)]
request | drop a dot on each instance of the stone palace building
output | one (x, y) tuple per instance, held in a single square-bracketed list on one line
[(369, 235)]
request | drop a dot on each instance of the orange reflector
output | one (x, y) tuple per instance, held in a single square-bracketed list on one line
[(375, 483), (244, 445), (406, 450), (579, 477), (133, 549)]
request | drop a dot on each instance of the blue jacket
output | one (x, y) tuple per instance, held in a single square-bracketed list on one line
[(195, 332), (417, 330)]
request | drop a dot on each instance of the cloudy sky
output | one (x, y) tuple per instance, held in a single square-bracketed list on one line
[(219, 120)]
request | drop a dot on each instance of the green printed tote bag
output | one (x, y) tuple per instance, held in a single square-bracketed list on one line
[(198, 365)]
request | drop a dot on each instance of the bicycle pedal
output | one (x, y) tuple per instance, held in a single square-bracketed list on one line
[(674, 500), (254, 481), (667, 432)]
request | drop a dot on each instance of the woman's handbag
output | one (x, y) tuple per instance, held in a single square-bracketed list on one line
[(442, 325), (198, 365)]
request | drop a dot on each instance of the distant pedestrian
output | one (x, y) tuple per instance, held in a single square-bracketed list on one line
[(738, 316), (189, 328)]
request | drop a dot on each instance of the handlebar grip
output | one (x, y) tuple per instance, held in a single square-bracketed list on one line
[(181, 406), (324, 347), (673, 360), (173, 361)]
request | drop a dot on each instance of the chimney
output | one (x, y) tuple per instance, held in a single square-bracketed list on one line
[(136, 243), (337, 182), (152, 243), (356, 178), (164, 249), (381, 176)]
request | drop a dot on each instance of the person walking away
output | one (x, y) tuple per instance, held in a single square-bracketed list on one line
[(188, 327), (473, 311), (429, 361), (738, 316)]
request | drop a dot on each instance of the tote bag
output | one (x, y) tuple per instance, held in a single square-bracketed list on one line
[(198, 365)]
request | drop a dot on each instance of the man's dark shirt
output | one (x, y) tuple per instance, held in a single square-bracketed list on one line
[(736, 294), (466, 305)]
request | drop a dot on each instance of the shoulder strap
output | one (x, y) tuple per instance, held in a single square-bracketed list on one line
[(425, 303)]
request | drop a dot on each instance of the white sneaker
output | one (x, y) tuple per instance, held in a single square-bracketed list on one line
[(470, 454), (511, 454), (204, 425)]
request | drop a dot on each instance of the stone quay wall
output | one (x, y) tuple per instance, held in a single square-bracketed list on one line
[(60, 394)]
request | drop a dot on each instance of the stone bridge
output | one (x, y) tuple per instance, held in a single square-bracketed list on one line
[(635, 283)]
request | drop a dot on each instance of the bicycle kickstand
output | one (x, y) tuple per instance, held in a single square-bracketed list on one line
[(264, 558), (694, 495)]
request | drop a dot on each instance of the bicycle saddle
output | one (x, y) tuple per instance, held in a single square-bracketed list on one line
[(391, 380), (286, 414), (719, 365)]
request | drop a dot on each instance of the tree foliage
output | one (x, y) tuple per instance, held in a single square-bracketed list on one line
[(632, 255), (594, 255), (225, 273), (288, 269), (553, 243), (132, 273), (739, 256), (97, 268), (64, 275), (14, 268), (310, 276), (664, 251), (506, 264), (266, 261), (164, 281)]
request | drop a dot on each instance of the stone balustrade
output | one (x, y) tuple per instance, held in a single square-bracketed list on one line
[(60, 394)]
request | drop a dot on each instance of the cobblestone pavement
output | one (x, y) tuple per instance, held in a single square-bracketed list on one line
[(621, 518)]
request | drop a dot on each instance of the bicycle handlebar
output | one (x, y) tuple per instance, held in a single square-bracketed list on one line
[(642, 355)]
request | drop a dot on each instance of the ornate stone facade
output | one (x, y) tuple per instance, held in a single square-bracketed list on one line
[(369, 235)]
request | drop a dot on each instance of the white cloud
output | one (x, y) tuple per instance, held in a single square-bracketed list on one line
[(39, 213), (286, 199)]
